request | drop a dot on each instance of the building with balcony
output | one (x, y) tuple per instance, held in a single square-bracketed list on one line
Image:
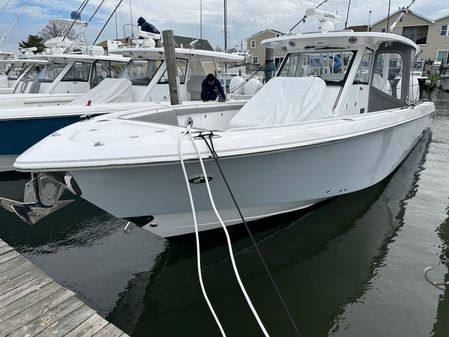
[(257, 51), (431, 35)]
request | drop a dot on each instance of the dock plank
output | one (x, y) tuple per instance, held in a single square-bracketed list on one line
[(23, 290), (19, 280), (89, 327), (48, 318), (28, 300), (68, 323), (8, 256), (32, 304), (109, 330), (14, 262), (11, 324), (5, 249), (15, 271)]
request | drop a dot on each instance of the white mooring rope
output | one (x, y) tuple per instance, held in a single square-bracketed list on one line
[(198, 249), (228, 238)]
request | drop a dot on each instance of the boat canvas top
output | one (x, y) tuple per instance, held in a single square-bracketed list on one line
[(24, 61), (158, 54), (67, 22), (65, 58), (335, 40)]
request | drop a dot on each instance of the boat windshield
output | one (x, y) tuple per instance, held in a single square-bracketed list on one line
[(48, 72), (331, 66), (141, 72)]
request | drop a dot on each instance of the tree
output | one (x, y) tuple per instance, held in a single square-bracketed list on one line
[(33, 41), (52, 30)]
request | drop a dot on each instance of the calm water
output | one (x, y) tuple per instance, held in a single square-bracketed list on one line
[(350, 267)]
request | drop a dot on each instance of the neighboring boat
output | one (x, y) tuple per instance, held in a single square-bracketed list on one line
[(419, 74), (340, 116), (61, 79), (148, 72), (12, 70), (142, 83), (444, 77)]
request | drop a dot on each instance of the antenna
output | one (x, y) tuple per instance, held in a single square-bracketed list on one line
[(225, 23), (132, 20), (4, 6), (84, 28), (107, 21), (388, 15), (79, 11), (12, 25), (305, 17), (347, 14), (201, 20), (404, 10)]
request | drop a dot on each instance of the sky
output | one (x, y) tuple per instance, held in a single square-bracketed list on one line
[(245, 17)]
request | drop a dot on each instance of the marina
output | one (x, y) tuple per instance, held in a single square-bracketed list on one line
[(153, 185)]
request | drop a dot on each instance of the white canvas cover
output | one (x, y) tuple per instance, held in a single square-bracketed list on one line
[(285, 100), (110, 90)]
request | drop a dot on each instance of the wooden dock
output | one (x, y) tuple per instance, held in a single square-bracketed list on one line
[(33, 304)]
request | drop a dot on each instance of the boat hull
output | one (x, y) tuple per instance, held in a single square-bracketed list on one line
[(264, 184), (17, 135)]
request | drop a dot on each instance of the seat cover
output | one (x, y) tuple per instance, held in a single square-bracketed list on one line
[(285, 100), (110, 90)]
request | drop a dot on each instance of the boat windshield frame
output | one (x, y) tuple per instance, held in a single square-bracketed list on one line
[(44, 71), (321, 51), (144, 81)]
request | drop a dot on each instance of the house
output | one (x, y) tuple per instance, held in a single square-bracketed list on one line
[(257, 51), (360, 28), (431, 35), (440, 36)]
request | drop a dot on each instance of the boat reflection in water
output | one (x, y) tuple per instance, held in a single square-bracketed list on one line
[(322, 262)]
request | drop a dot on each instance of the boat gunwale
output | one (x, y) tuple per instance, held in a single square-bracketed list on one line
[(126, 163)]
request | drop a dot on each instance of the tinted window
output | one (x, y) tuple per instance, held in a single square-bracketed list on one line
[(106, 69), (417, 34), (364, 71), (182, 69), (78, 73), (141, 72), (331, 66), (49, 72), (388, 73)]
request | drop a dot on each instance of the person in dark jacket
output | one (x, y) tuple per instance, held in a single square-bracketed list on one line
[(146, 26), (211, 88)]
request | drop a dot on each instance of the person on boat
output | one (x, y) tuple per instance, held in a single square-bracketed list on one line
[(211, 89), (146, 26)]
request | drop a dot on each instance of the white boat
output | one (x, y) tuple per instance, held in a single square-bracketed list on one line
[(11, 70), (61, 79), (340, 116)]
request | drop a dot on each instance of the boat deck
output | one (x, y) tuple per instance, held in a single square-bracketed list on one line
[(33, 304)]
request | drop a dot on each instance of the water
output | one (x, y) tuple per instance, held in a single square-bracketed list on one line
[(350, 267)]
